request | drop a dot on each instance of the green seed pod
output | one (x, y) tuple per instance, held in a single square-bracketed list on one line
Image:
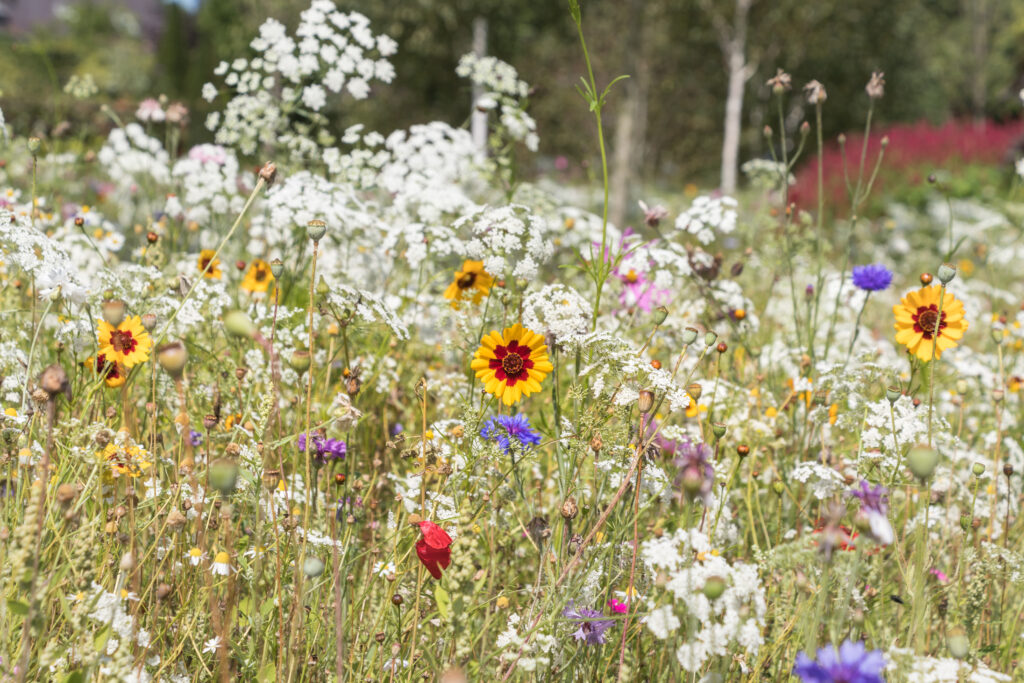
[(238, 324), (922, 460), (958, 643), (299, 360), (714, 586), (316, 229), (946, 273), (690, 335), (223, 476), (659, 315)]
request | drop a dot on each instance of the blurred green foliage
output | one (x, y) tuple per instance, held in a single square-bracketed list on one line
[(933, 53)]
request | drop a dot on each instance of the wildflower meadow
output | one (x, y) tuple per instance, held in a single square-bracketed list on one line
[(294, 399)]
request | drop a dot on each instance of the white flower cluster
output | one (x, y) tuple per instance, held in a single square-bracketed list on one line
[(331, 52), (923, 669), (614, 367), (734, 619), (133, 158), (209, 178), (707, 217), (507, 237), (824, 481), (367, 307), (513, 646), (24, 247), (505, 92), (558, 312)]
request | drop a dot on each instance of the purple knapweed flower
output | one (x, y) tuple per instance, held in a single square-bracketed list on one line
[(696, 474), (324, 449), (194, 437), (510, 429), (852, 663), (874, 506), (872, 278), (592, 626)]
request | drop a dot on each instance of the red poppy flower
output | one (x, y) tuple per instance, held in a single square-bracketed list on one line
[(434, 549)]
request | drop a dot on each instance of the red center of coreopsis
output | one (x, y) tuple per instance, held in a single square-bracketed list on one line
[(261, 273), (466, 281), (925, 320), (108, 370), (434, 548), (511, 362), (204, 262), (123, 341)]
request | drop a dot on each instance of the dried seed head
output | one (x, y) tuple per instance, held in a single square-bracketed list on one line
[(876, 86), (316, 229), (268, 173), (569, 508)]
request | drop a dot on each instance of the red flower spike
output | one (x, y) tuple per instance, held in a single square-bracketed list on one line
[(434, 548)]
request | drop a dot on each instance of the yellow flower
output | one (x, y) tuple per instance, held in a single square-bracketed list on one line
[(206, 259), (258, 278), (512, 364), (128, 343), (918, 324), (113, 373), (127, 459), (471, 280)]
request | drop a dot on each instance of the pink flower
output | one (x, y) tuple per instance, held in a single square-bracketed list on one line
[(939, 574), (150, 110), (619, 607)]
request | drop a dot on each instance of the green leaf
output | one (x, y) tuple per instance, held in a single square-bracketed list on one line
[(101, 638), (17, 607), (444, 602), (75, 677), (268, 674)]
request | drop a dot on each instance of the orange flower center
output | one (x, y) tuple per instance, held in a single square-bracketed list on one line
[(926, 321), (466, 281), (123, 341), (632, 277)]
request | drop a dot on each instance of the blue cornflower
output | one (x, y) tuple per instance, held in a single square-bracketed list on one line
[(872, 278), (592, 626), (324, 449), (194, 437), (506, 429), (852, 663)]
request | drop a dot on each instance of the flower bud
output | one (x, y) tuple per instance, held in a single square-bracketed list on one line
[(172, 357), (926, 278), (998, 334), (922, 460), (978, 469), (33, 145), (965, 522), (316, 229), (778, 488), (947, 272)]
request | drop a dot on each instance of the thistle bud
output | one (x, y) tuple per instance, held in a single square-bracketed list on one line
[(690, 335), (316, 229), (659, 315), (114, 311), (947, 272), (645, 401), (172, 357), (922, 460), (300, 360), (596, 443)]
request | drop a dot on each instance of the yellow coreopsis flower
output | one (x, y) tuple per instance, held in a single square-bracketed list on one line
[(258, 278), (127, 344), (113, 373), (512, 364), (472, 281), (206, 259), (919, 328), (125, 459)]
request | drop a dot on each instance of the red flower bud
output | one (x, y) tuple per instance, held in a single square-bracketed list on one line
[(434, 548)]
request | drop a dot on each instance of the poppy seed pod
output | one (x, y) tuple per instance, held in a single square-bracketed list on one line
[(690, 335), (172, 357), (645, 401), (316, 229), (710, 338), (114, 311), (300, 360), (659, 315), (978, 469), (714, 586), (922, 460), (694, 390), (277, 268), (947, 272), (149, 321), (718, 429), (893, 394)]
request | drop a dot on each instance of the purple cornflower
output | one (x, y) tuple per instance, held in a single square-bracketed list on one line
[(324, 449), (194, 437), (509, 429), (592, 627), (696, 474), (874, 506), (852, 663), (872, 278)]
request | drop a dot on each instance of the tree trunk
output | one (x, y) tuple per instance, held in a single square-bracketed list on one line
[(734, 46), (478, 119)]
